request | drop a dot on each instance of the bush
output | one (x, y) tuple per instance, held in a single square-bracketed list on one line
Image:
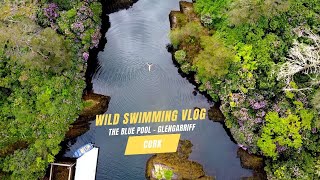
[(96, 10), (82, 23), (206, 20), (180, 56), (192, 30), (186, 68)]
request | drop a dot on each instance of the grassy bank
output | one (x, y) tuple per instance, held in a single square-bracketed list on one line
[(43, 52), (261, 60)]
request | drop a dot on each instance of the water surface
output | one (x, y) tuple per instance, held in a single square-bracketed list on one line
[(139, 36)]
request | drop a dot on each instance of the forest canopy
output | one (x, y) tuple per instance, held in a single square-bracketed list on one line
[(43, 52), (260, 59)]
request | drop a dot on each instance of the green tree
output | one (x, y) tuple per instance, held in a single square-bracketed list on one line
[(214, 59), (281, 131), (251, 10)]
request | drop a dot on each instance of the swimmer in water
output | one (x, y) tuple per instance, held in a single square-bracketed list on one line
[(149, 64)]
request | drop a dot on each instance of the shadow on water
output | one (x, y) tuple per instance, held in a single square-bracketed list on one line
[(111, 6), (93, 61), (108, 7)]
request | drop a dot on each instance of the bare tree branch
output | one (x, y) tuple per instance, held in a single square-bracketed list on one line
[(302, 58), (291, 89)]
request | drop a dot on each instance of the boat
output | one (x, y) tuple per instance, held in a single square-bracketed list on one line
[(82, 150)]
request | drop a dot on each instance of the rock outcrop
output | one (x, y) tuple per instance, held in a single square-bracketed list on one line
[(254, 162), (184, 15), (176, 165), (215, 114), (96, 104)]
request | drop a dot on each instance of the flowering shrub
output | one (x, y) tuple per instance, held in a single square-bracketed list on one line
[(258, 104), (80, 23), (51, 11), (84, 12), (85, 56), (95, 38), (77, 27)]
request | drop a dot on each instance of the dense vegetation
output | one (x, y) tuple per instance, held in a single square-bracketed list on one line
[(261, 59), (43, 52)]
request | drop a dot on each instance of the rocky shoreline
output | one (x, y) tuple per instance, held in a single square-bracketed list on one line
[(248, 161), (253, 162), (97, 104)]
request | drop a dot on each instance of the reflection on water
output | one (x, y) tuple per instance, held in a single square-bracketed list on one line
[(139, 36)]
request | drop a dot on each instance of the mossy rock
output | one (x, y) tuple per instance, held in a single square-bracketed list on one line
[(187, 9), (182, 167), (215, 114), (250, 161), (95, 104)]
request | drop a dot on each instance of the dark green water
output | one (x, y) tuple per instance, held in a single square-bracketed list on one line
[(137, 36)]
